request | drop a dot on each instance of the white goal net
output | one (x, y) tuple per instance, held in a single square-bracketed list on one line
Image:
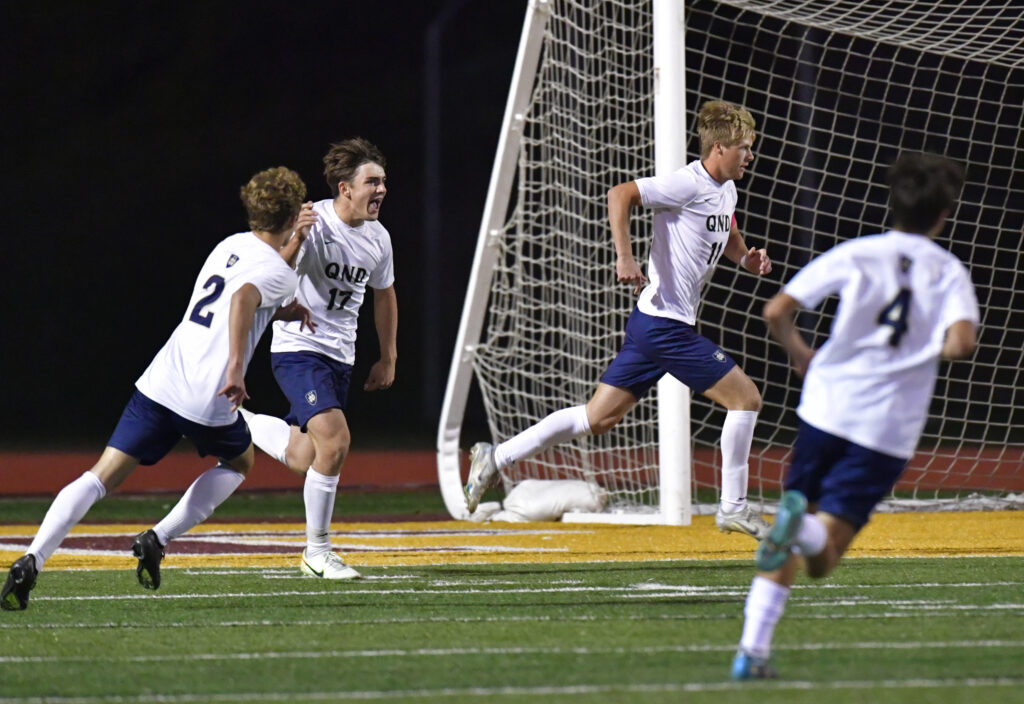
[(838, 89)]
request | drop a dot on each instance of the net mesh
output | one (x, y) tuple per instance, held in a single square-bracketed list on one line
[(838, 90)]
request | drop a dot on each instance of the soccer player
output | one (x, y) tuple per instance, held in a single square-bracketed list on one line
[(904, 302), (347, 252), (193, 386), (694, 226)]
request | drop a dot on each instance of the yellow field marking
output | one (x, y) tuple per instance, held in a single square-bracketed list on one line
[(457, 542)]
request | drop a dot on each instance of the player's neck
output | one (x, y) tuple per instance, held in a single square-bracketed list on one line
[(344, 213), (274, 239), (714, 170)]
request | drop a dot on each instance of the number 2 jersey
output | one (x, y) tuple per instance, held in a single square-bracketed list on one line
[(692, 218), (872, 381), (188, 372), (335, 265)]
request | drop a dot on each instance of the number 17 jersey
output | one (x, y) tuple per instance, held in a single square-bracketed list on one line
[(335, 266), (872, 381)]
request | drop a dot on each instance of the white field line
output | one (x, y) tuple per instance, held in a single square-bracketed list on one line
[(564, 618), (581, 690), (509, 651)]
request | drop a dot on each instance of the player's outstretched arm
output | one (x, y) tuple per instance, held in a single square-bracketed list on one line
[(244, 303), (385, 318), (780, 315)]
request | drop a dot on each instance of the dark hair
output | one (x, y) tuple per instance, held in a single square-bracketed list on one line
[(344, 158), (921, 187), (272, 198)]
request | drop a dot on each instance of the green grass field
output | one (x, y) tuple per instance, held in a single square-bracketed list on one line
[(879, 630)]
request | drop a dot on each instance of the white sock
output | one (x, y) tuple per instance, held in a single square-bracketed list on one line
[(208, 491), (269, 433), (561, 426), (67, 509), (812, 536), (318, 493), (737, 434), (765, 604)]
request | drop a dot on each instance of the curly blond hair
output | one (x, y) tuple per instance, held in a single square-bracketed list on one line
[(719, 121), (272, 198)]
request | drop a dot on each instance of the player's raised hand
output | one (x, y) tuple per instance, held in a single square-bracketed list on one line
[(381, 377), (296, 311), (756, 261), (628, 272), (305, 221), (234, 386)]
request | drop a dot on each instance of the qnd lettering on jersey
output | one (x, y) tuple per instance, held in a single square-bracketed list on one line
[(344, 272), (719, 223)]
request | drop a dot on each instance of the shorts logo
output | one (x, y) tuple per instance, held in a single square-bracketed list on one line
[(719, 355), (232, 260), (311, 398)]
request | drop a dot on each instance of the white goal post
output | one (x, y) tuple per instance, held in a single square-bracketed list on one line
[(838, 89)]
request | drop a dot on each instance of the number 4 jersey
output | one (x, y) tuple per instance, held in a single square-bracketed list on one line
[(336, 264), (872, 380), (188, 371)]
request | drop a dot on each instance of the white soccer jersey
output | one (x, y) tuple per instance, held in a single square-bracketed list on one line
[(335, 265), (872, 380), (188, 371), (692, 218)]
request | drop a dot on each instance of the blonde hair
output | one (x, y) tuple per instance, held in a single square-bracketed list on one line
[(719, 121), (272, 198)]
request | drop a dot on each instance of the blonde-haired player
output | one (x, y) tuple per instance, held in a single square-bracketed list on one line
[(694, 226)]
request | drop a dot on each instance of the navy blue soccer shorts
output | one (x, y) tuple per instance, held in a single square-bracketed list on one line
[(845, 479), (655, 346), (148, 431), (312, 382)]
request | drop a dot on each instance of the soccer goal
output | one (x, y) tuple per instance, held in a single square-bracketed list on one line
[(606, 91)]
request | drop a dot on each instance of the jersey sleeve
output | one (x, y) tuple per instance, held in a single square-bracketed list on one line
[(276, 285), (961, 301), (821, 277), (672, 191), (384, 275)]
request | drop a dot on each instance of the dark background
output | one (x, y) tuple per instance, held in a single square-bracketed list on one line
[(128, 129)]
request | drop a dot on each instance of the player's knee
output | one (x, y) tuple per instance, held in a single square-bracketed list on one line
[(334, 452), (751, 400), (603, 423)]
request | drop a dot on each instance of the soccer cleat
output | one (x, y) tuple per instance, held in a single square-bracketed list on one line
[(483, 474), (774, 549), (747, 667), (746, 520), (148, 549), (327, 566), (20, 581)]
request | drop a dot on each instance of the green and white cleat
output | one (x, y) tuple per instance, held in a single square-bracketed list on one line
[(774, 550), (327, 565), (483, 474)]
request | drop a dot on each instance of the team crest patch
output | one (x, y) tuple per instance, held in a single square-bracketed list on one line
[(232, 260), (719, 355), (311, 398)]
